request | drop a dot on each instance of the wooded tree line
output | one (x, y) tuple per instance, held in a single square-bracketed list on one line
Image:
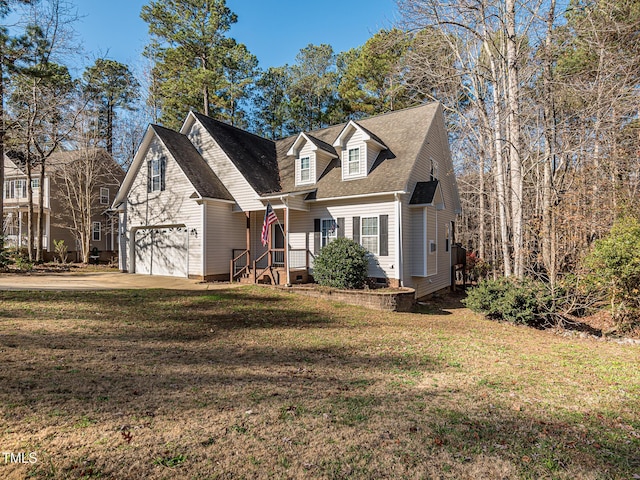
[(541, 101), (543, 107)]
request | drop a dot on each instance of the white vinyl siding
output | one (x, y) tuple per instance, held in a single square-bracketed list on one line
[(354, 156), (225, 231), (224, 168), (305, 165), (302, 229), (173, 206), (437, 266), (310, 165)]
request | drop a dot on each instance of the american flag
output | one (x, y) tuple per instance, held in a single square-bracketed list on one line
[(269, 218)]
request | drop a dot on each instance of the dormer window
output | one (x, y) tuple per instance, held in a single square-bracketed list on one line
[(312, 157), (305, 169), (354, 161), (359, 149)]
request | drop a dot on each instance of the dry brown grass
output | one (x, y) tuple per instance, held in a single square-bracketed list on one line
[(251, 383)]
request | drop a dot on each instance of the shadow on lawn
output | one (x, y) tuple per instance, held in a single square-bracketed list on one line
[(220, 309), (441, 303), (176, 353)]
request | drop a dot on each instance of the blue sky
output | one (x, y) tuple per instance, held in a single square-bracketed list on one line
[(273, 30)]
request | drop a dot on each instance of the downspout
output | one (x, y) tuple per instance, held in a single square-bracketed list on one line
[(203, 223), (399, 259), (122, 239)]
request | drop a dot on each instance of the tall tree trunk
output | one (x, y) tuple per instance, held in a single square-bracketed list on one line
[(549, 253), (110, 128), (2, 134), (499, 170), (481, 210), (513, 125), (40, 236), (29, 205)]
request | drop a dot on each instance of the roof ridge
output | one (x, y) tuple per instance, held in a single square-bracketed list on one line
[(198, 114), (378, 115)]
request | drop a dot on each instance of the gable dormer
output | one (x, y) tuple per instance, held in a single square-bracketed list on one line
[(312, 157), (358, 149)]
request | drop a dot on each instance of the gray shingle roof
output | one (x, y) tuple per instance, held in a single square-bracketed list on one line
[(269, 170), (206, 183), (253, 156), (403, 132), (322, 145)]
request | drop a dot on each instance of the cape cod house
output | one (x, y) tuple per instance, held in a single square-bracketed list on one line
[(193, 202)]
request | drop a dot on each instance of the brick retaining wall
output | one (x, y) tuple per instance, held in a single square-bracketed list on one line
[(391, 301)]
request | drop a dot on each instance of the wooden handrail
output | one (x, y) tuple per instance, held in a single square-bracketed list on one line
[(240, 256), (232, 266), (269, 252)]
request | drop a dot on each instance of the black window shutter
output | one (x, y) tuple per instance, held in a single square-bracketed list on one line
[(341, 227), (163, 169), (356, 229), (148, 176), (317, 235), (384, 235)]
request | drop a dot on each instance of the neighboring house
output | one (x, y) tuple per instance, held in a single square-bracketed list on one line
[(58, 202), (193, 203)]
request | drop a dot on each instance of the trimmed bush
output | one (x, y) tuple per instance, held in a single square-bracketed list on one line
[(614, 265), (341, 264), (526, 302)]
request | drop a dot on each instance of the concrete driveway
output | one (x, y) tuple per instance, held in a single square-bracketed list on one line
[(100, 281)]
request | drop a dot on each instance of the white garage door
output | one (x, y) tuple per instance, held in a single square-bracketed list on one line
[(161, 251)]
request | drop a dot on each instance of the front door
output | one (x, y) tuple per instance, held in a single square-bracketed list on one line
[(278, 243)]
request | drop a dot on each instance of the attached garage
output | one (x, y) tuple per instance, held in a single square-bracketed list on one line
[(161, 251)]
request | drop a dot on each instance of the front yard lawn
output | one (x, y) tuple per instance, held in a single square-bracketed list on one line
[(252, 383)]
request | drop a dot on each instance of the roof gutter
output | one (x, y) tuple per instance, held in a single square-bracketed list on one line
[(363, 195), (280, 196)]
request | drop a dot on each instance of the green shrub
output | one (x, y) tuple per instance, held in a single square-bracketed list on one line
[(5, 256), (61, 250), (341, 264), (614, 268), (23, 263), (526, 302)]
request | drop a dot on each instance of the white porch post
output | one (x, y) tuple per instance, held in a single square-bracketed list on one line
[(19, 229), (286, 240), (47, 230)]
